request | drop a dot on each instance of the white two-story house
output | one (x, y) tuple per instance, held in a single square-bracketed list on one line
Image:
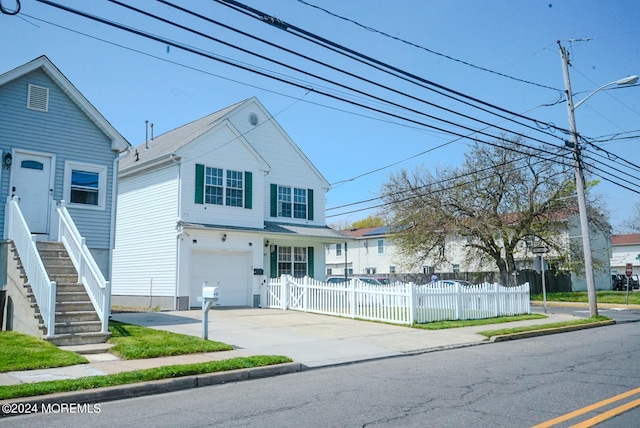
[(228, 199), (373, 253)]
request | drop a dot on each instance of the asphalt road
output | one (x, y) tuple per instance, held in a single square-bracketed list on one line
[(621, 313), (509, 384)]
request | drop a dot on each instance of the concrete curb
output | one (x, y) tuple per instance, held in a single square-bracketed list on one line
[(585, 304), (545, 331), (131, 390)]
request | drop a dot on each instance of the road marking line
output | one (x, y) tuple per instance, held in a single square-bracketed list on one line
[(608, 414), (587, 409)]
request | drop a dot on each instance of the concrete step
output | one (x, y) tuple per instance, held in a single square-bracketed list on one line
[(60, 271), (72, 296), (69, 286), (67, 317), (88, 349), (74, 306), (78, 327), (78, 339)]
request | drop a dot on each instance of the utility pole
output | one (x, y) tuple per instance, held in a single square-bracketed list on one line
[(582, 206)]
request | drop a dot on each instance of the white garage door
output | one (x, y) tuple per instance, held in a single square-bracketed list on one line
[(226, 270)]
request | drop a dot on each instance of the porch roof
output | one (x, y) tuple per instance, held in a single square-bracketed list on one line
[(273, 229)]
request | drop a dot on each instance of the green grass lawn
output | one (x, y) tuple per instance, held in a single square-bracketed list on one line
[(602, 296), (491, 333), (24, 352), (55, 386), (439, 325), (134, 342)]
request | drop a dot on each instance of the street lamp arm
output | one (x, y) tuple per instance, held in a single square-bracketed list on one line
[(626, 81)]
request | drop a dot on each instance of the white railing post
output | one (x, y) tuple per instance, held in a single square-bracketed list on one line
[(51, 321)]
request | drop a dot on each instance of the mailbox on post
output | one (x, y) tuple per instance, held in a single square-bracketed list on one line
[(210, 293), (209, 296)]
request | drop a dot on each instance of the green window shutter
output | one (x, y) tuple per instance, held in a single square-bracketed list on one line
[(274, 262), (199, 197), (309, 204), (248, 190), (274, 200), (310, 261)]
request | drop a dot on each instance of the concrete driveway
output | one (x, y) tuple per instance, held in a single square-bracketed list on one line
[(310, 339)]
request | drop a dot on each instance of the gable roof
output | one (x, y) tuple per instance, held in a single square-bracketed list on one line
[(118, 142), (165, 145)]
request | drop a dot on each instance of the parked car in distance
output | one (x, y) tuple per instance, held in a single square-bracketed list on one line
[(365, 279), (458, 281), (619, 282)]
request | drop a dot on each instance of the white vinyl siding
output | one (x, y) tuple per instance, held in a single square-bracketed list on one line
[(144, 258), (207, 151)]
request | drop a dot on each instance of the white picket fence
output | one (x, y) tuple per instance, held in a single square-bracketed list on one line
[(398, 303)]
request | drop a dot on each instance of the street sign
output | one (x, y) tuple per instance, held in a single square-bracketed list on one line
[(628, 270)]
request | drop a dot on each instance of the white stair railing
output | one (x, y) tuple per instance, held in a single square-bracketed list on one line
[(42, 287), (89, 274)]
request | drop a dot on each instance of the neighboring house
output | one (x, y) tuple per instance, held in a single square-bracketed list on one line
[(374, 253), (625, 249), (54, 146), (371, 252), (228, 199)]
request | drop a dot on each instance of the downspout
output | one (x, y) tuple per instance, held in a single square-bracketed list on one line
[(178, 236), (114, 210)]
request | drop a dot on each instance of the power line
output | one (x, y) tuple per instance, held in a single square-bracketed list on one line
[(368, 28), (350, 53), (265, 74)]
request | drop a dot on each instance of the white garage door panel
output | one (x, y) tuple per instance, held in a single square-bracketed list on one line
[(228, 271)]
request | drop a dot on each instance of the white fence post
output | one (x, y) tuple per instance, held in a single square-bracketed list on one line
[(352, 292), (305, 290), (458, 291), (412, 303)]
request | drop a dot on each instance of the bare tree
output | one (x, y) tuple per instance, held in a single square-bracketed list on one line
[(632, 224), (503, 195)]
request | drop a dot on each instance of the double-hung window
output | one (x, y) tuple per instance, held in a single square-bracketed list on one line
[(299, 203), (291, 202), (284, 201), (213, 186), (295, 261), (217, 186), (234, 189), (85, 185)]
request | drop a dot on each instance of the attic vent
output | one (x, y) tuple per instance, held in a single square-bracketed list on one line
[(38, 98), (253, 119)]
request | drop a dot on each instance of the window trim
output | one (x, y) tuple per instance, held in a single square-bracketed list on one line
[(101, 170)]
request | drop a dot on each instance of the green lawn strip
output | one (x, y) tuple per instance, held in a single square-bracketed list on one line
[(440, 325), (24, 352), (167, 372), (615, 297), (490, 333), (134, 342)]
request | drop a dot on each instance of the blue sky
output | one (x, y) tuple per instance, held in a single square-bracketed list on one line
[(130, 79)]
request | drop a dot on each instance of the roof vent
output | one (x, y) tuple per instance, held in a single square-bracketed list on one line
[(38, 98)]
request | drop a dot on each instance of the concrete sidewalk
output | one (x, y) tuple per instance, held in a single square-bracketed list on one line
[(308, 339)]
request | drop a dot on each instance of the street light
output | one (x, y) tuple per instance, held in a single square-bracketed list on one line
[(582, 206)]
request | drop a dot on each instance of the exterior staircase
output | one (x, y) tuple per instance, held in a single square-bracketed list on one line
[(76, 321)]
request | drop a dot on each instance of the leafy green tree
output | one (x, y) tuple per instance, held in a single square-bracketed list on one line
[(371, 221), (503, 196)]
